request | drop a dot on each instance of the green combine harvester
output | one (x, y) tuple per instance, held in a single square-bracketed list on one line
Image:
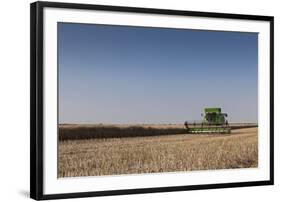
[(214, 121)]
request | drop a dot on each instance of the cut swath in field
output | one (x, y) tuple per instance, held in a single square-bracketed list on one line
[(159, 153)]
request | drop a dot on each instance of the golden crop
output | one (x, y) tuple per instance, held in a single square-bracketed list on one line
[(158, 153)]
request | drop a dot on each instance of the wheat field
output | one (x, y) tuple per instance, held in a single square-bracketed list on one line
[(158, 153)]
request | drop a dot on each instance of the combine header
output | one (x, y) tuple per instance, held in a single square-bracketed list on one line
[(214, 121)]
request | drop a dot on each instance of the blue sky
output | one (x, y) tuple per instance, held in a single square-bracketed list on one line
[(123, 74)]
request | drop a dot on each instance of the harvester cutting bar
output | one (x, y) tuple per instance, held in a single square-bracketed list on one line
[(209, 130)]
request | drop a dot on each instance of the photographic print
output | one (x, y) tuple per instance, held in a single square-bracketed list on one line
[(148, 100), (128, 100)]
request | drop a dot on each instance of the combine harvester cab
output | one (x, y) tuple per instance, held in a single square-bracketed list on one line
[(214, 121)]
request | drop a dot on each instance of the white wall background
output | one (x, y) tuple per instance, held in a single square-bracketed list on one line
[(14, 102)]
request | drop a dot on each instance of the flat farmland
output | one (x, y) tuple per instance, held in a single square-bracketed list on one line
[(160, 152)]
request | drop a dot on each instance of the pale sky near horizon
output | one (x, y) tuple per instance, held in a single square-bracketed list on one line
[(122, 74)]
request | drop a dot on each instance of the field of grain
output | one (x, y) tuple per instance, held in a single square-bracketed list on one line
[(145, 153), (90, 131)]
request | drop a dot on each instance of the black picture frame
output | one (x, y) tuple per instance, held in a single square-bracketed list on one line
[(36, 98)]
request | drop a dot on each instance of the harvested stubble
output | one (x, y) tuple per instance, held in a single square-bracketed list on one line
[(168, 153)]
